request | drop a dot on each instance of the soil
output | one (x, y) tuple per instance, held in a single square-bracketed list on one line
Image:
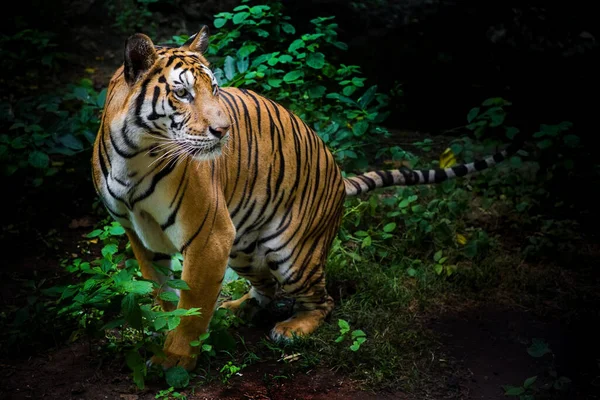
[(483, 345)]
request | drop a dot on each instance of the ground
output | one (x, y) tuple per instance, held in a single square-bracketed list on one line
[(481, 343)]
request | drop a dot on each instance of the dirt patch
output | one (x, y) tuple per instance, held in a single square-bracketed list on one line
[(488, 346), (76, 372)]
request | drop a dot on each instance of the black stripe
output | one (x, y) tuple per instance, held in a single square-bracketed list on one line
[(480, 165), (171, 219)]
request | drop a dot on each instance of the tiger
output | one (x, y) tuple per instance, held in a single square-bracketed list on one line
[(227, 178)]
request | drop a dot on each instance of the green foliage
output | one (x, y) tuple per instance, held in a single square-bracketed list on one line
[(131, 16), (357, 336), (28, 58), (45, 128), (41, 126)]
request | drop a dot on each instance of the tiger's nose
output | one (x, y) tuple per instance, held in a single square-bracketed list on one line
[(218, 132)]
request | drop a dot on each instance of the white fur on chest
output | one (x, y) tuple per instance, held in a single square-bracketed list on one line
[(146, 215), (151, 234)]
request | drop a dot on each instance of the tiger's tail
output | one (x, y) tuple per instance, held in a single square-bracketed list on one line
[(371, 180)]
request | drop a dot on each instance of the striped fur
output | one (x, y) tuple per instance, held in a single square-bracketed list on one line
[(406, 177), (226, 177)]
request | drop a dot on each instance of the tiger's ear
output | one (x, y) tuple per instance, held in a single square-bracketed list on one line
[(139, 57), (198, 42)]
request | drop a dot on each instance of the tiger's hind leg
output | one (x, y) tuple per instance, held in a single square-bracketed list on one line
[(262, 292), (305, 282)]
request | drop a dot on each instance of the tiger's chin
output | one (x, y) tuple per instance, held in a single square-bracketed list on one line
[(209, 154)]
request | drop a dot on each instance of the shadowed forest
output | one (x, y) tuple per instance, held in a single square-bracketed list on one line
[(481, 287)]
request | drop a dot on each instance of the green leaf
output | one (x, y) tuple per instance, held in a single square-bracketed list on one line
[(296, 44), (341, 45), (366, 242), (344, 326), (219, 22), (516, 162), (160, 323), (206, 347), (437, 256), (355, 347), (246, 50), (511, 132), (229, 68), (38, 159), (109, 250), (358, 333), (571, 140), (117, 323), (529, 381), (131, 311), (538, 348), (176, 265), (169, 296), (438, 268), (240, 17), (101, 99), (348, 90), (274, 82), (513, 390), (173, 322), (293, 75), (359, 128), (136, 287), (472, 114), (367, 97), (177, 377), (94, 233), (135, 362), (496, 101), (116, 230), (242, 64), (544, 144), (178, 284), (389, 227), (288, 28), (315, 60), (315, 92)]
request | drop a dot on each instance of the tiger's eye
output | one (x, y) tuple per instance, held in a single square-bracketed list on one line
[(181, 92)]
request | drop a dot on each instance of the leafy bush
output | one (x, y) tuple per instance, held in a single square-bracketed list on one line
[(43, 129)]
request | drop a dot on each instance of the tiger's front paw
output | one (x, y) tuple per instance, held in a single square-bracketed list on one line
[(177, 352), (174, 360)]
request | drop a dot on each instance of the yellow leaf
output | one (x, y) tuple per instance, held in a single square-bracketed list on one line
[(447, 159), (90, 70), (461, 239), (93, 241)]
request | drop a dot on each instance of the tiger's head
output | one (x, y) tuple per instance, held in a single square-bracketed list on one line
[(174, 105)]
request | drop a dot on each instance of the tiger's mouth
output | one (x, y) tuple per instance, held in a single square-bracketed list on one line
[(207, 151)]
